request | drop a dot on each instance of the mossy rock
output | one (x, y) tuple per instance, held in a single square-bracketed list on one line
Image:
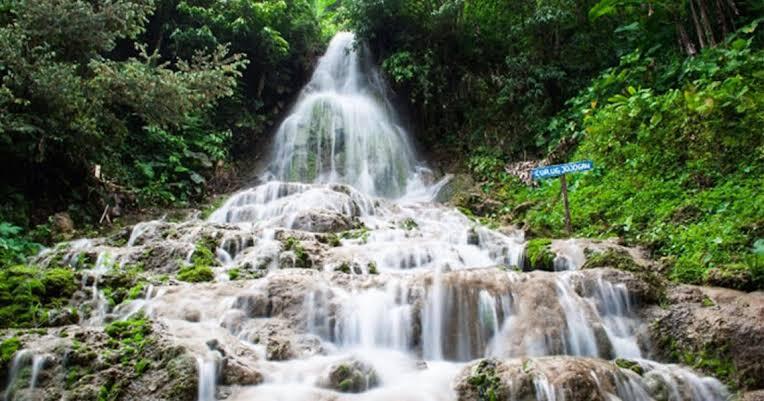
[(301, 258), (615, 258), (486, 382), (737, 275), (196, 274), (633, 366), (8, 348), (352, 377), (620, 259), (539, 255)]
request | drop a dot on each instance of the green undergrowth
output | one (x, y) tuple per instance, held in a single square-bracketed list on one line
[(679, 161), (538, 255)]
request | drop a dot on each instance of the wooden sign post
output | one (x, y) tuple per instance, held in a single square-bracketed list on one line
[(559, 170)]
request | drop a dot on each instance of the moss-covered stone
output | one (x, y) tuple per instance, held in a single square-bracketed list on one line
[(615, 258), (538, 255), (486, 382), (29, 293), (352, 377), (8, 347), (633, 366), (735, 275), (301, 258), (195, 274), (408, 224), (372, 267)]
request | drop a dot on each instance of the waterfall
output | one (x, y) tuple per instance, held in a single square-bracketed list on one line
[(342, 128), (391, 285)]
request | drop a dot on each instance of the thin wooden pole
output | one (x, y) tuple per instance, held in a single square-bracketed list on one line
[(564, 183)]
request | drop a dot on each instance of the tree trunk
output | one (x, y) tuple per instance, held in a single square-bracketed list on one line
[(709, 30), (696, 24), (722, 18), (684, 40)]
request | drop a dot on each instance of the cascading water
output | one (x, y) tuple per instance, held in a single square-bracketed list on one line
[(342, 128), (401, 291)]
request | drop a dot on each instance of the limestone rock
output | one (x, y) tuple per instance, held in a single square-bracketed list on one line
[(713, 324), (351, 376), (279, 349)]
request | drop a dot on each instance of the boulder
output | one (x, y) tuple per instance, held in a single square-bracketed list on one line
[(718, 330), (279, 348), (351, 376)]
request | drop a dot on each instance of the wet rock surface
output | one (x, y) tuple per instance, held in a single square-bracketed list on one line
[(85, 364), (577, 379), (719, 330), (351, 376)]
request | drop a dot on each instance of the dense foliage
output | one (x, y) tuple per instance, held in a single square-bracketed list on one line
[(484, 72), (679, 161), (138, 102)]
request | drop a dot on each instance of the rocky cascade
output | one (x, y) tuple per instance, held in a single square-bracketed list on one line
[(341, 278)]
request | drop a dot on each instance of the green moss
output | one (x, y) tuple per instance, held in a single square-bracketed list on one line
[(630, 365), (346, 385), (302, 259), (28, 293), (141, 366), (359, 233), (195, 274), (8, 347), (122, 283), (707, 302), (344, 267), (408, 224), (711, 359), (128, 340), (538, 255), (59, 283), (136, 290), (372, 267), (615, 258), (331, 239), (486, 381), (234, 274), (201, 260), (204, 254)]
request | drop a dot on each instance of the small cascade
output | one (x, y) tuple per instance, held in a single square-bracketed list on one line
[(23, 359), (543, 389), (569, 255), (207, 373), (579, 339), (38, 363), (20, 359)]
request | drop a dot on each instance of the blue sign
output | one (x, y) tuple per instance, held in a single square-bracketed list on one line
[(560, 169)]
